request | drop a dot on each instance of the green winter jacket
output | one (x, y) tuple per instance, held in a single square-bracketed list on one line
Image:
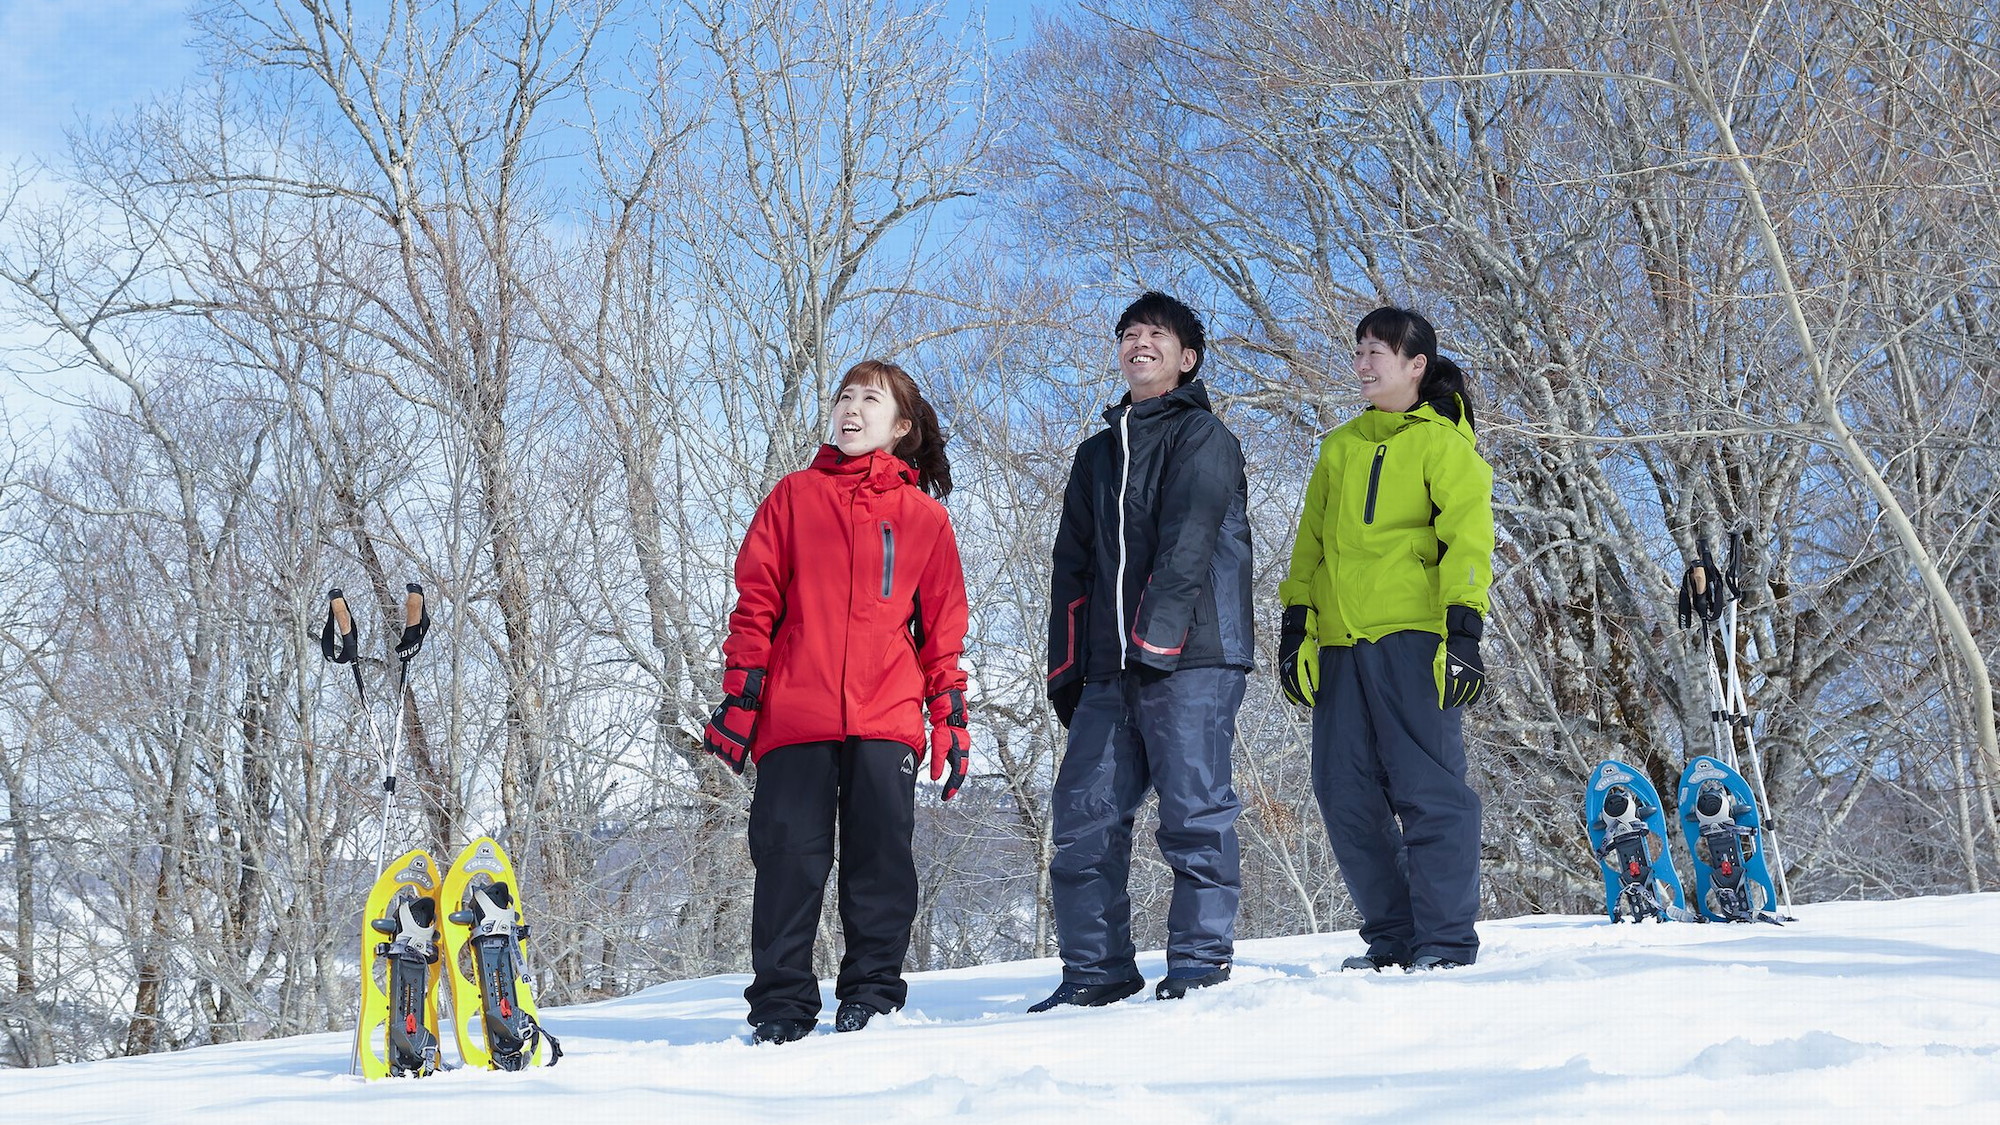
[(1398, 525)]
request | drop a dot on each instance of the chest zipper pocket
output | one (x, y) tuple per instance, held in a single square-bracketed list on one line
[(1374, 483), (888, 559)]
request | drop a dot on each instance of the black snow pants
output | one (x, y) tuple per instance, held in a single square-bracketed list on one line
[(1389, 771), (868, 789)]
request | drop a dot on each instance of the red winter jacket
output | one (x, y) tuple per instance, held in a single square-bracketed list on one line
[(849, 594)]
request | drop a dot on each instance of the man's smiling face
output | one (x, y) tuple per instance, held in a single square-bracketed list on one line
[(1152, 360)]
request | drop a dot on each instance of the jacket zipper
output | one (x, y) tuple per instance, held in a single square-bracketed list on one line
[(1124, 479), (888, 558), (1374, 482)]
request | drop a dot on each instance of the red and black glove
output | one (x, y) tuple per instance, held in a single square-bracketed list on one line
[(951, 743), (727, 735)]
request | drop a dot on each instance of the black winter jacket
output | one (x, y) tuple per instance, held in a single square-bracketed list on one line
[(1160, 498)]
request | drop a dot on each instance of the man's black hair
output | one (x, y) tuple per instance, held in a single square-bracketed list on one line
[(1161, 311)]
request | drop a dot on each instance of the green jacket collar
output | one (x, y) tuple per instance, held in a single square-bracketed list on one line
[(1381, 425)]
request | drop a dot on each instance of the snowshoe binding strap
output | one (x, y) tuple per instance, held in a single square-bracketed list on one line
[(1624, 815), (412, 931), (537, 1032), (532, 1034), (489, 910), (1715, 808)]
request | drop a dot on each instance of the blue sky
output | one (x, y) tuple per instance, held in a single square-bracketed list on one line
[(61, 59), (65, 59)]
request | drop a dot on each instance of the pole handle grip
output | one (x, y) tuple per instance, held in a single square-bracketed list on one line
[(416, 621), (337, 640)]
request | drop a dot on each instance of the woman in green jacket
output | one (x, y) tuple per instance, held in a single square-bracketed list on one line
[(1384, 606)]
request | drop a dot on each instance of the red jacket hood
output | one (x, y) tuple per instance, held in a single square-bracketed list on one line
[(884, 470)]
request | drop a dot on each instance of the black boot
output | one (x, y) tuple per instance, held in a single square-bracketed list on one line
[(1090, 995), (852, 1016), (1429, 962), (1180, 982), (784, 1031), (1375, 962)]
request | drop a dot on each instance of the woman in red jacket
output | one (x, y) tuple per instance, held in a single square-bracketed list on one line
[(850, 617)]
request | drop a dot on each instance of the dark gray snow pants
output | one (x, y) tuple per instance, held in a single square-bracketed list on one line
[(1389, 771), (1173, 735)]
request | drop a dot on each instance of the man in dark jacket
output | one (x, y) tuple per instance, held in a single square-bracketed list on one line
[(1149, 645)]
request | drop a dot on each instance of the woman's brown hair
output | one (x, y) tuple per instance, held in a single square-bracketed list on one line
[(923, 447)]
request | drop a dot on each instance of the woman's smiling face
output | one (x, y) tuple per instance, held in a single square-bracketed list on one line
[(1388, 381), (865, 419)]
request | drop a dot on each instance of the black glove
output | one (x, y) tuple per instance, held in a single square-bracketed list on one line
[(1298, 656), (1065, 698), (1464, 671)]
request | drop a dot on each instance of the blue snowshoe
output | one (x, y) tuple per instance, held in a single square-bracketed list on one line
[(1724, 836), (1628, 834)]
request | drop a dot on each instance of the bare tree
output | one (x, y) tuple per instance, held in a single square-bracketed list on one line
[(1551, 181)]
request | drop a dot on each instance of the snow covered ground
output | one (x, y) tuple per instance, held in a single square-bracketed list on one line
[(1862, 1011)]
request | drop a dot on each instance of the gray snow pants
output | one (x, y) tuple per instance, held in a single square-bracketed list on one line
[(1173, 735)]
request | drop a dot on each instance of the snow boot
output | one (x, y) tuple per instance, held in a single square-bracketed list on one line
[(1072, 993), (1427, 963), (1375, 962), (784, 1031), (853, 1016), (1179, 982)]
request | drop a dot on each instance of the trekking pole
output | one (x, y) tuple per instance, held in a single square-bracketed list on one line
[(339, 643), (1701, 605), (1733, 715), (1739, 709), (1718, 700), (416, 623)]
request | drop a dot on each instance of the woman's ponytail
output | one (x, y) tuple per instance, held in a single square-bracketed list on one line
[(923, 447), (1444, 388)]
